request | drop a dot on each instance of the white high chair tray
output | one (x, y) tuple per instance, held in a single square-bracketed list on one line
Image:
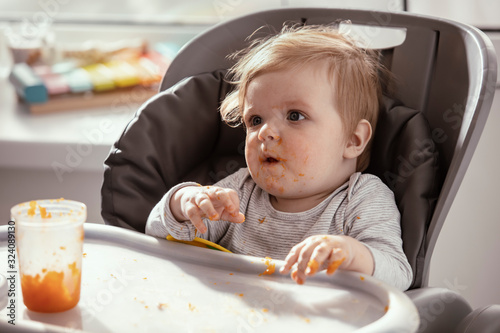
[(132, 282)]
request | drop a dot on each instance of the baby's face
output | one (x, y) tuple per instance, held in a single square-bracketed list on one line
[(295, 140)]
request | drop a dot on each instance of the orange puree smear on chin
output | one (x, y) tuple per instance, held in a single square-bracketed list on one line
[(50, 294)]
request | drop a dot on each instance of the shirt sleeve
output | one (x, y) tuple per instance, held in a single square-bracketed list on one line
[(373, 218), (162, 223)]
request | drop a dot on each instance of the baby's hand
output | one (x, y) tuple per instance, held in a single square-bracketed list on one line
[(317, 253), (194, 203)]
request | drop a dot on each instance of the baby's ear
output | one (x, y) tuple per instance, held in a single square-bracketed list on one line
[(358, 140)]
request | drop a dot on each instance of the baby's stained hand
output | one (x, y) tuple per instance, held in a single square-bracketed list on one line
[(212, 202), (317, 253)]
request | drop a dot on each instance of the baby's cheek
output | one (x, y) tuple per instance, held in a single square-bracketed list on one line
[(302, 165)]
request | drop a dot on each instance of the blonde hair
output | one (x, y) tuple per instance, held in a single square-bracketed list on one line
[(354, 72)]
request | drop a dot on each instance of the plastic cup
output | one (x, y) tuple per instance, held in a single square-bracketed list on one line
[(28, 43), (49, 240)]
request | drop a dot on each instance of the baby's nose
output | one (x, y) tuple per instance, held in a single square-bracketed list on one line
[(268, 133)]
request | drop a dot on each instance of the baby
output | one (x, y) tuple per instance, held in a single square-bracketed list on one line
[(308, 98)]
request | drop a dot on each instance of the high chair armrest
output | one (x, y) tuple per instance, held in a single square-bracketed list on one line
[(440, 309), (485, 319)]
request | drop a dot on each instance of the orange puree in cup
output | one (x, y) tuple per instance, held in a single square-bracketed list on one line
[(50, 293)]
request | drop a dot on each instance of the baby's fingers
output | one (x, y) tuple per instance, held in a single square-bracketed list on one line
[(233, 217), (336, 259), (318, 258), (195, 215), (204, 203), (230, 201), (291, 258)]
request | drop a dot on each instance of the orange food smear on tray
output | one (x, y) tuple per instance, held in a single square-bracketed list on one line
[(50, 294), (270, 267)]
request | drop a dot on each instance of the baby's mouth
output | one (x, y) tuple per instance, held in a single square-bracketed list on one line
[(271, 160)]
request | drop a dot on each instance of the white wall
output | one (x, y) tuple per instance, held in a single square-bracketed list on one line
[(480, 13)]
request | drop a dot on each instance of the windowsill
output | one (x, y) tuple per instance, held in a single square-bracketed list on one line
[(74, 139)]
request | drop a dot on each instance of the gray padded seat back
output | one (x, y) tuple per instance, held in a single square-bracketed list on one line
[(445, 75)]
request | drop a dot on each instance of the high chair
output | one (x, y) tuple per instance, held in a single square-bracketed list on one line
[(425, 138)]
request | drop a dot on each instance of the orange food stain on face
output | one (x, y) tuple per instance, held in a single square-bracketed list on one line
[(50, 293), (271, 266), (301, 175), (334, 265)]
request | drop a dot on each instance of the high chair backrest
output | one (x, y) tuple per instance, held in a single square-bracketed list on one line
[(445, 74)]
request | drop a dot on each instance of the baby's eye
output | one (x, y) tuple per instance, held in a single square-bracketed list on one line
[(295, 116), (255, 121)]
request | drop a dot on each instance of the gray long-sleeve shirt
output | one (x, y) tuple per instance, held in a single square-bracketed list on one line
[(362, 208)]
